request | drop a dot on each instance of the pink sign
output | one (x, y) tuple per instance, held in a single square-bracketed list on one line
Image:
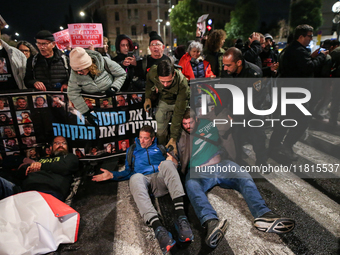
[(86, 34), (62, 39)]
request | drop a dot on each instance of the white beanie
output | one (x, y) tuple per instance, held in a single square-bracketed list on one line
[(79, 59)]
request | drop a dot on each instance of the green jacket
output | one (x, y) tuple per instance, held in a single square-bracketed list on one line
[(84, 83), (216, 64), (178, 94)]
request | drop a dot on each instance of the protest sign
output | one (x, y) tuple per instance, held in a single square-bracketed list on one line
[(86, 35), (62, 39)]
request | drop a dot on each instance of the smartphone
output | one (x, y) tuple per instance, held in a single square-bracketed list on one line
[(322, 49), (130, 54)]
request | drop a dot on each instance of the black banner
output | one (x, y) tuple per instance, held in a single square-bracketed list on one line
[(30, 120)]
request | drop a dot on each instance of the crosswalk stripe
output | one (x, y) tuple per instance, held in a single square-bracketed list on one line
[(327, 137), (319, 206), (241, 235)]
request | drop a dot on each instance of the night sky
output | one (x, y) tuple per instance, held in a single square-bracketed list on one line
[(30, 16)]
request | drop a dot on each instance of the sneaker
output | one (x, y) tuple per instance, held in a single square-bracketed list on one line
[(272, 223), (215, 232), (183, 228), (164, 238)]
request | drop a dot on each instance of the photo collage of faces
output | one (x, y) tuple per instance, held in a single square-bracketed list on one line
[(106, 103), (16, 125), (111, 102), (106, 149)]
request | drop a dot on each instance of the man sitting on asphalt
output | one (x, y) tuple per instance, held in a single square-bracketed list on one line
[(147, 170), (52, 175), (199, 143)]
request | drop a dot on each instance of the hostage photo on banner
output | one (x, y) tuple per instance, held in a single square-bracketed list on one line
[(33, 119)]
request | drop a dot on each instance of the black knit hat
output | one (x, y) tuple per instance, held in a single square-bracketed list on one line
[(45, 35), (154, 36)]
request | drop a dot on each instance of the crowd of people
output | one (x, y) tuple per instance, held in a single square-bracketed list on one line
[(191, 141)]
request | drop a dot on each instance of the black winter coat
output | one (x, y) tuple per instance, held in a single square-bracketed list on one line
[(52, 72), (296, 61)]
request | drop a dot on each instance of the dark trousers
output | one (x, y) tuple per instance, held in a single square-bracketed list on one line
[(254, 135), (292, 134)]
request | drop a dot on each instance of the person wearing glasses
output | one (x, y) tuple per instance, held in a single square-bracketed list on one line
[(90, 75), (156, 47), (4, 119), (52, 175), (171, 88), (296, 62), (27, 48), (15, 61), (49, 69)]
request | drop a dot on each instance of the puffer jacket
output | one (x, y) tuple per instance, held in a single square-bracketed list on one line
[(187, 68), (145, 161), (84, 83), (52, 76)]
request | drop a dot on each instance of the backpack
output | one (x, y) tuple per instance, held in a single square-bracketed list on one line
[(130, 155)]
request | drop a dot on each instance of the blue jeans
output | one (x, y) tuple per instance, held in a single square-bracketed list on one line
[(6, 188), (196, 189)]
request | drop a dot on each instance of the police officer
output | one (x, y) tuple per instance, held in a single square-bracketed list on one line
[(235, 66)]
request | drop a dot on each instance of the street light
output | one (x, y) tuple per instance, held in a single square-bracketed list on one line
[(83, 14), (164, 30), (61, 28), (16, 34), (336, 20)]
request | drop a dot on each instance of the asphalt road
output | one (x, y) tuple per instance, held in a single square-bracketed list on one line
[(110, 222)]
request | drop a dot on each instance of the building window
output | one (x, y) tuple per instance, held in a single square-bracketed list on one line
[(145, 29), (116, 1), (132, 2), (149, 29), (149, 1), (166, 15), (149, 15), (207, 8), (117, 30), (136, 12), (129, 13), (117, 16), (133, 30)]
